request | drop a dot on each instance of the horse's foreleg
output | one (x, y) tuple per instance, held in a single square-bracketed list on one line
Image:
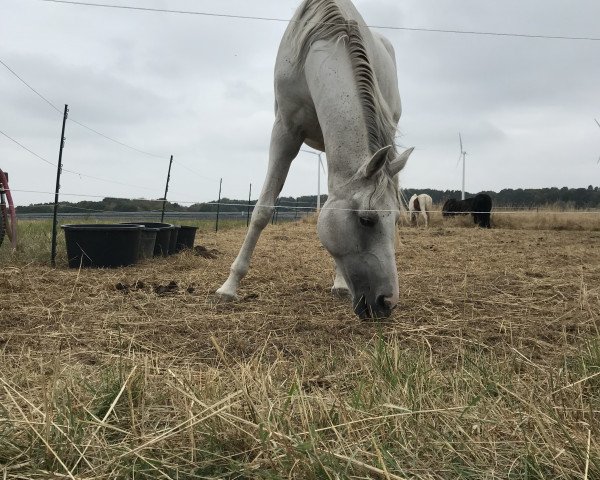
[(340, 287), (284, 148)]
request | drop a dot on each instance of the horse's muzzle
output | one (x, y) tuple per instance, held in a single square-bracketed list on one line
[(380, 309)]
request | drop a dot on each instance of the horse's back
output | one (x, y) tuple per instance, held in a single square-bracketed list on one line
[(292, 93), (425, 201)]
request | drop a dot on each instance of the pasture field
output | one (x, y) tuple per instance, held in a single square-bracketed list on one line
[(488, 369)]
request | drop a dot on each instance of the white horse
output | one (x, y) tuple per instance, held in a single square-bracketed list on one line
[(336, 89), (420, 205)]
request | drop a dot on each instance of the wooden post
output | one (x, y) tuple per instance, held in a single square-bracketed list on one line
[(57, 189)]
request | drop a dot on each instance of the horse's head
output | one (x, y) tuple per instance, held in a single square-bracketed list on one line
[(357, 225), (450, 207)]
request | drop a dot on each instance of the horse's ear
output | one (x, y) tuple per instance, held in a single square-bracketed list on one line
[(376, 163), (398, 163)]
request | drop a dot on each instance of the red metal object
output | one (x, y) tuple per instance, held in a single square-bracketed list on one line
[(7, 207)]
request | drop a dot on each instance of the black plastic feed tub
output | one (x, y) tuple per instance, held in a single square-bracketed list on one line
[(173, 240), (186, 238), (147, 241), (102, 245), (163, 236)]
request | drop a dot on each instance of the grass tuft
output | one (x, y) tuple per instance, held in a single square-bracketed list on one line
[(489, 367)]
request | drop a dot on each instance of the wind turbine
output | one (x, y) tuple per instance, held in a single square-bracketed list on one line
[(462, 156), (597, 123), (319, 167)]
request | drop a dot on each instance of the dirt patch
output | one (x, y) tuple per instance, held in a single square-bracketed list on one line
[(491, 289), (126, 288), (204, 252), (169, 288)]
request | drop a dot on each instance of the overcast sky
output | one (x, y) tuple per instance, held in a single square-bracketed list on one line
[(201, 88)]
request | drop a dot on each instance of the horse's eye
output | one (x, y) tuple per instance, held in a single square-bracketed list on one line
[(368, 221)]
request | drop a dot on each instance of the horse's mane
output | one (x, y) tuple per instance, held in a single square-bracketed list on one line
[(323, 20)]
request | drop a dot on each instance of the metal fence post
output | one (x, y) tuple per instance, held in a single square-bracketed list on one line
[(218, 206), (274, 216), (162, 216), (56, 190), (249, 196)]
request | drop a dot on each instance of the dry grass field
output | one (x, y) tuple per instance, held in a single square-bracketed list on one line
[(488, 369)]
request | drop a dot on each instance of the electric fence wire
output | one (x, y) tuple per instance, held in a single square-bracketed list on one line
[(70, 118), (242, 17), (280, 207), (285, 20), (193, 171), (73, 172)]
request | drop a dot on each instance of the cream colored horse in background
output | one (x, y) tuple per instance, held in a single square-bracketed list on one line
[(336, 90), (420, 206)]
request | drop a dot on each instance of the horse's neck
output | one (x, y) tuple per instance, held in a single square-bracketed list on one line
[(335, 97)]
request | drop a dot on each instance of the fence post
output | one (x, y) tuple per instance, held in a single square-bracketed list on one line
[(296, 214), (56, 190), (218, 206), (249, 196), (319, 183), (274, 212), (162, 215)]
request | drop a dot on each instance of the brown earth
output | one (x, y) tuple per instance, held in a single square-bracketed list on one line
[(533, 292)]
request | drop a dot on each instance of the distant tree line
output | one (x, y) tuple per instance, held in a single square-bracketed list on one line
[(562, 197), (529, 197), (107, 204)]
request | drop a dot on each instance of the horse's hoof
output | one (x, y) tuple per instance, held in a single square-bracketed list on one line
[(340, 292), (225, 297)]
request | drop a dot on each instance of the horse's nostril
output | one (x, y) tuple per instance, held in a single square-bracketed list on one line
[(384, 302), (381, 308), (361, 308)]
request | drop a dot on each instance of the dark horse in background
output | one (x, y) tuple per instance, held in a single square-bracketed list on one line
[(479, 206)]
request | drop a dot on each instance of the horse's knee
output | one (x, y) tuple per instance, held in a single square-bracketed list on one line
[(262, 216)]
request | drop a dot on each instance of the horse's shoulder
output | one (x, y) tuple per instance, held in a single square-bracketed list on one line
[(386, 44)]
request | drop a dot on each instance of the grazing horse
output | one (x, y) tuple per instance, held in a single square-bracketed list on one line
[(479, 206), (419, 205), (336, 90)]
